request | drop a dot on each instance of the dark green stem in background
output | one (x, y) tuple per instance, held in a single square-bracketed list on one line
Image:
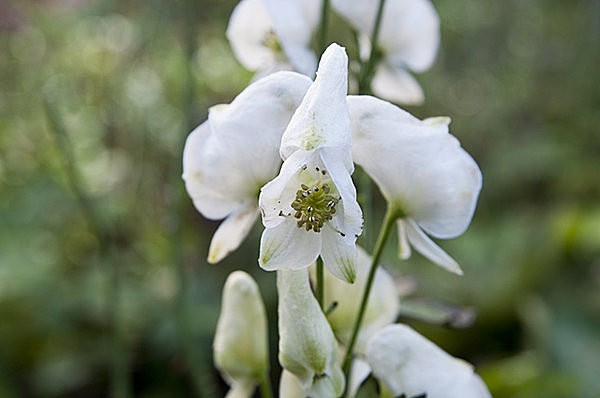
[(265, 386), (366, 73), (120, 387), (390, 217), (320, 287), (322, 42)]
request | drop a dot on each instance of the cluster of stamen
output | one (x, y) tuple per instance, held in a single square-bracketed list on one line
[(314, 206)]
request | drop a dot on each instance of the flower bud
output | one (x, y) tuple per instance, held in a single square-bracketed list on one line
[(307, 346), (240, 347)]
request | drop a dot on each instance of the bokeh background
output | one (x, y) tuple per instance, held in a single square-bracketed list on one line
[(102, 255)]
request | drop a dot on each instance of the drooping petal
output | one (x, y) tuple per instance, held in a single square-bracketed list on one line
[(407, 363), (289, 386), (307, 346), (382, 307), (240, 347), (244, 389), (231, 232), (322, 118), (404, 251), (424, 245), (418, 166), (288, 247), (359, 371), (396, 85), (338, 256)]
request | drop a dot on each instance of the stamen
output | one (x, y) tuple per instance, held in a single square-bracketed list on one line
[(314, 206)]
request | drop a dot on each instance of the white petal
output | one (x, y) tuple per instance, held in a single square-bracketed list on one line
[(249, 26), (338, 256), (404, 251), (232, 232), (228, 158), (418, 166), (289, 386), (322, 118), (396, 85), (288, 247), (359, 371), (293, 32), (410, 364), (429, 249), (307, 346), (410, 34), (241, 390)]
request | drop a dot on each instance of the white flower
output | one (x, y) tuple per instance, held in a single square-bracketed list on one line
[(422, 172), (310, 208), (236, 151), (240, 346), (307, 346), (268, 35), (289, 386), (382, 307), (409, 37), (407, 363)]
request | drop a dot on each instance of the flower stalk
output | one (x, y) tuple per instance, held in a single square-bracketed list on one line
[(320, 288), (366, 73)]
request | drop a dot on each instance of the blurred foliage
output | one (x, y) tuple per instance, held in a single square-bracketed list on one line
[(131, 78)]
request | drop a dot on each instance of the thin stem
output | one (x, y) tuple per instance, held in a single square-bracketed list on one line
[(265, 386), (366, 72), (322, 43), (320, 287), (120, 387), (390, 217)]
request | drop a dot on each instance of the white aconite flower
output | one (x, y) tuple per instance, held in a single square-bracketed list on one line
[(236, 151), (407, 363), (409, 37), (307, 346), (269, 35), (382, 307), (240, 346), (310, 208), (421, 170)]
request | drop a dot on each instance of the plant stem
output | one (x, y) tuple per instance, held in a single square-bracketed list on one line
[(366, 73), (390, 217), (265, 386), (322, 43), (320, 287)]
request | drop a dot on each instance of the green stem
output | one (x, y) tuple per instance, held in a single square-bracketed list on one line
[(367, 72), (320, 288), (390, 217), (322, 43), (265, 386)]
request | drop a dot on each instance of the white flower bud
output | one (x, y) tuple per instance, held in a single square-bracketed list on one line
[(241, 348), (307, 346)]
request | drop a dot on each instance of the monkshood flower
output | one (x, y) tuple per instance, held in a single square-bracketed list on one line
[(240, 346), (409, 38), (421, 170), (236, 151), (410, 365), (307, 346), (382, 307), (270, 35), (310, 208)]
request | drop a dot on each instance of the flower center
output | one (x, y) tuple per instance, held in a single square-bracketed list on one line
[(314, 206)]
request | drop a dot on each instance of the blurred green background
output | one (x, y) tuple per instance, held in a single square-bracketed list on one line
[(98, 238)]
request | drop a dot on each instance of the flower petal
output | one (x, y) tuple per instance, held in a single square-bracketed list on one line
[(232, 232), (359, 371), (419, 167), (407, 363), (404, 251), (288, 247), (289, 386), (244, 389), (338, 256), (429, 249), (397, 85), (322, 118)]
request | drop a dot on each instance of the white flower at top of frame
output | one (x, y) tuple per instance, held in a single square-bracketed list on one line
[(420, 169), (407, 363), (310, 208), (409, 37), (236, 151), (269, 35)]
